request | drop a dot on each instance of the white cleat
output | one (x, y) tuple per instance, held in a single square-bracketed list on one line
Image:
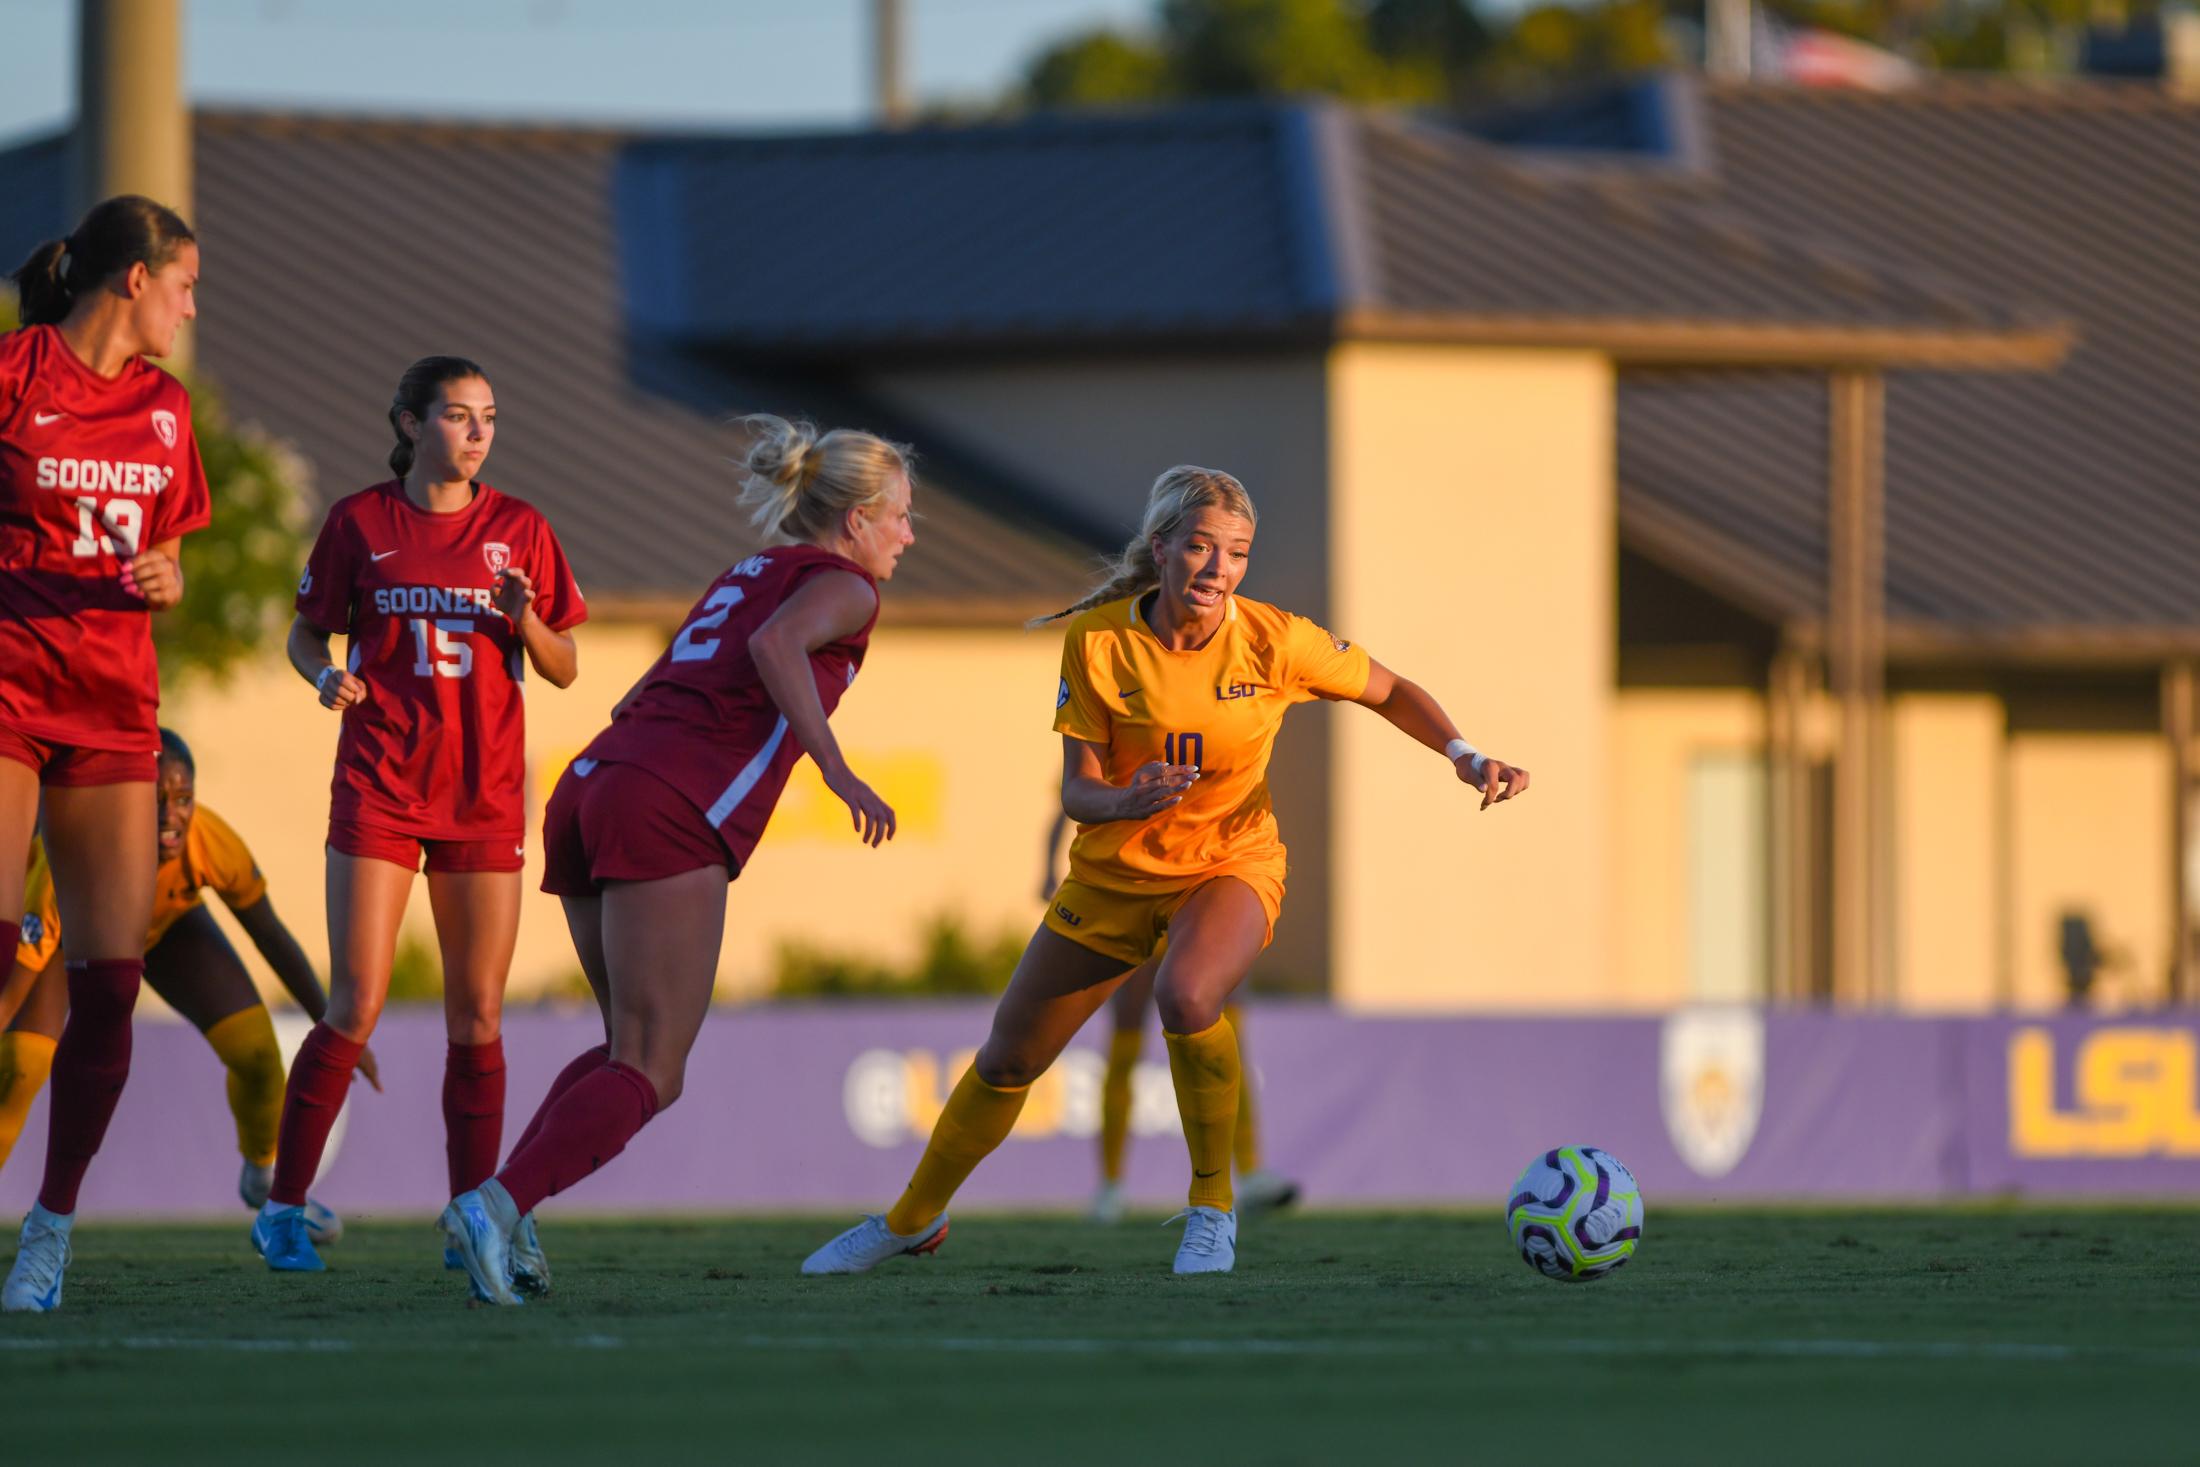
[(870, 1243), (1108, 1204), (478, 1227), (323, 1226), (41, 1258), (1210, 1240), (1262, 1190), (254, 1183), (530, 1268)]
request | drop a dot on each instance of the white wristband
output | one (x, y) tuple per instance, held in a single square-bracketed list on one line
[(320, 679), (1459, 749)]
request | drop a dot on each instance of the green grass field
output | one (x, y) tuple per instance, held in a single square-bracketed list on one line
[(1953, 1336)]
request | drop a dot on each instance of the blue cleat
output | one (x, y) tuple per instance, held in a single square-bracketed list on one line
[(530, 1265), (280, 1237), (452, 1261), (479, 1229)]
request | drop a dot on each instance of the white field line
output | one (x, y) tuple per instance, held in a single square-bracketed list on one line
[(2011, 1352)]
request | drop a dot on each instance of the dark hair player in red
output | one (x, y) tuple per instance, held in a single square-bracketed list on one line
[(99, 482), (447, 589)]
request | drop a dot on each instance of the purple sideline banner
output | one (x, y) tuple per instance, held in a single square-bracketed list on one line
[(826, 1106)]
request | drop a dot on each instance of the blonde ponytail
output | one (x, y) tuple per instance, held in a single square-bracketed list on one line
[(800, 486), (1175, 497)]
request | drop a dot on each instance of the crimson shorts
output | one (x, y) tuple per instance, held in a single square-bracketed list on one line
[(618, 822), (69, 766), (505, 853)]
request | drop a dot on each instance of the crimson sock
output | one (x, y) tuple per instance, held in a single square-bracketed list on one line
[(473, 1112), (90, 1067), (590, 1061), (320, 1078), (590, 1124)]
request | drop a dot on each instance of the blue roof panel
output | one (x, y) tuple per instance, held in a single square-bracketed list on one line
[(1134, 226)]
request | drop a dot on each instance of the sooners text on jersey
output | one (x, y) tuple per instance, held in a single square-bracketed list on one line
[(92, 471), (439, 748)]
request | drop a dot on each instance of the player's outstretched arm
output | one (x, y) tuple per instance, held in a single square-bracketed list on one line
[(826, 608), (1409, 707), (553, 653), (309, 655), (291, 965), (1089, 799)]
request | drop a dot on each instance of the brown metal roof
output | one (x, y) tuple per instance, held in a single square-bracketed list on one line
[(1470, 243), (340, 252), (2051, 515)]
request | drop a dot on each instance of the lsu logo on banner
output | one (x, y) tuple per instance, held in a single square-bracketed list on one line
[(891, 1096), (2133, 1089), (1711, 1085)]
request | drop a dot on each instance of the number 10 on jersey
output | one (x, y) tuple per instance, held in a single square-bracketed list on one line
[(1184, 749)]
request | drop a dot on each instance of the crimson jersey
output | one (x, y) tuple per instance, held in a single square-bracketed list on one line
[(438, 749), (92, 471), (701, 720)]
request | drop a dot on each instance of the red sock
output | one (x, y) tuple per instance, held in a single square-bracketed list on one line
[(473, 1112), (90, 1066), (590, 1061), (320, 1078), (590, 1124)]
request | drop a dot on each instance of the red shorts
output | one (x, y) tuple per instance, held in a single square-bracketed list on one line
[(505, 853), (618, 822), (69, 766)]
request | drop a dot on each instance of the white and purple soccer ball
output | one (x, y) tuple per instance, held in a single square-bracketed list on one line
[(1575, 1213)]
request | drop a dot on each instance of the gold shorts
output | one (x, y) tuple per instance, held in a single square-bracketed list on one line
[(1135, 927)]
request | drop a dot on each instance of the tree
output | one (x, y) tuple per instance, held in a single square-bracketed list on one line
[(1235, 48), (240, 571)]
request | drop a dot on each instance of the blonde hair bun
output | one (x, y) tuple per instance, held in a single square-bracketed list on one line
[(799, 485)]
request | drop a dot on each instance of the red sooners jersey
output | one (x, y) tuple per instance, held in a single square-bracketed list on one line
[(92, 471), (438, 749), (701, 720)]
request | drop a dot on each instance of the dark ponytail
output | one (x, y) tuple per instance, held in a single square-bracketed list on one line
[(123, 231), (416, 392), (173, 750)]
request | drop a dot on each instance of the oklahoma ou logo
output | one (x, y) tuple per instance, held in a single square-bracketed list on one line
[(164, 427), (498, 555)]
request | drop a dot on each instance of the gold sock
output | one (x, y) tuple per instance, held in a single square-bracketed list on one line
[(976, 1118), (1115, 1100), (1205, 1068), (1246, 1147), (25, 1061), (246, 1043)]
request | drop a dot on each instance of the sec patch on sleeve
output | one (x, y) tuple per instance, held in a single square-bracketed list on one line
[(1061, 696)]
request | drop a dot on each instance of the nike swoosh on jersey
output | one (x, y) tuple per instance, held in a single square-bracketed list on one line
[(42, 419), (385, 555)]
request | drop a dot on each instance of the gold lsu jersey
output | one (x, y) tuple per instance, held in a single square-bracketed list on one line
[(213, 855), (1217, 708)]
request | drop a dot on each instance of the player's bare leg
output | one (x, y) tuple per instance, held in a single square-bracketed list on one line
[(477, 927), (657, 943), (1213, 939), (103, 845)]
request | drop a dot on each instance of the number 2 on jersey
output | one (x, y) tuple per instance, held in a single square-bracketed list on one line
[(716, 608)]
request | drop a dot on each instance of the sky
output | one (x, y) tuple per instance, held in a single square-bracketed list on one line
[(756, 63)]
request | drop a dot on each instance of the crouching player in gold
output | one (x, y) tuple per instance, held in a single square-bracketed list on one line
[(190, 964)]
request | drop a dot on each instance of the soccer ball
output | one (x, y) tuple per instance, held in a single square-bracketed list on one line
[(1575, 1213)]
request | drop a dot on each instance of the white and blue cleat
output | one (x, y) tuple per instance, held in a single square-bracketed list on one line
[(478, 1227), (1210, 1240), (280, 1236), (41, 1258), (530, 1266)]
